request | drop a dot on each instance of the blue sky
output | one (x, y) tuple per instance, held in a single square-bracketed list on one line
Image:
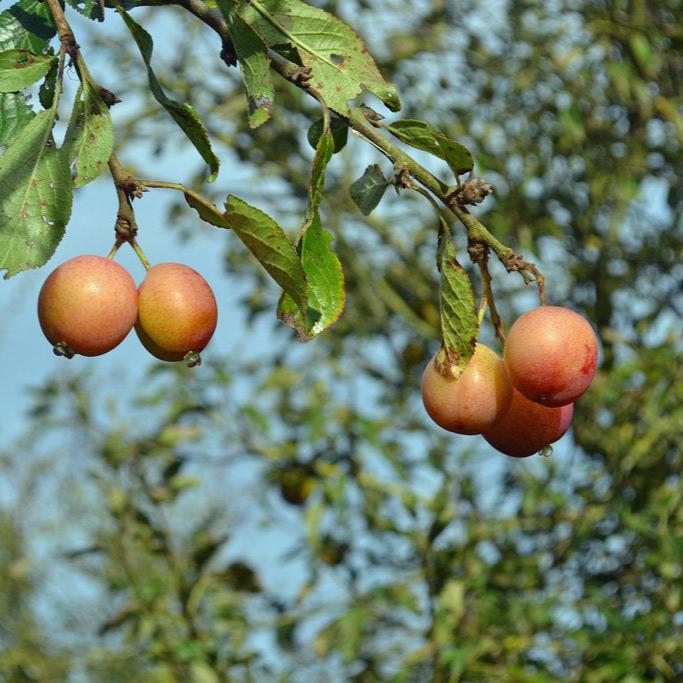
[(26, 357)]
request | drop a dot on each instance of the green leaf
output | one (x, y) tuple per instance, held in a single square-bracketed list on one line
[(252, 54), (324, 274), (424, 136), (207, 211), (452, 599), (14, 115), (35, 192), (338, 127), (313, 517), (340, 65), (459, 318), (90, 8), (89, 138), (268, 243), (183, 114), (326, 290), (21, 68), (26, 25), (182, 482), (46, 94), (202, 673), (645, 56), (323, 154), (368, 190), (572, 122)]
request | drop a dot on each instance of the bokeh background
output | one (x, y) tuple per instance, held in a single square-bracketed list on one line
[(287, 512)]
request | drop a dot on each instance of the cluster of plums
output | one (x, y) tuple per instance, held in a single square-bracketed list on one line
[(524, 402), (89, 304)]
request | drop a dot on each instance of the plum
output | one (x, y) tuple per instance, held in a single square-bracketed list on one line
[(177, 312), (474, 401), (551, 354), (87, 306)]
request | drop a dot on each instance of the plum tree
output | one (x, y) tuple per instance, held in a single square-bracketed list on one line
[(177, 311), (474, 401), (551, 354), (87, 305), (528, 427)]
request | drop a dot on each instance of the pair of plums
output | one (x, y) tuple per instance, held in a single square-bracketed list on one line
[(89, 304), (524, 402)]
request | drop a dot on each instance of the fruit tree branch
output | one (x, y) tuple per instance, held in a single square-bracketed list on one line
[(66, 35), (358, 120), (204, 13), (476, 231), (126, 186), (367, 129)]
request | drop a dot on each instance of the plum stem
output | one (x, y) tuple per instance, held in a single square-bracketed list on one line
[(482, 309), (114, 249), (140, 254), (192, 359), (489, 298)]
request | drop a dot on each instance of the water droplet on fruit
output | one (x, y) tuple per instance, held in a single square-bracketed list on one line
[(546, 452), (192, 359), (62, 349)]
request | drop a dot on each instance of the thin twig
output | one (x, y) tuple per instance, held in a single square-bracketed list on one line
[(66, 35), (488, 297), (140, 254), (126, 186), (126, 226), (187, 191), (210, 17), (359, 122), (475, 229)]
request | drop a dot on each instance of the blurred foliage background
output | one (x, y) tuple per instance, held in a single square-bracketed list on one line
[(291, 515)]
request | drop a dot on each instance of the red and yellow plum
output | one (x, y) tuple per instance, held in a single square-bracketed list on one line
[(177, 311), (87, 306), (474, 401), (551, 354), (528, 427)]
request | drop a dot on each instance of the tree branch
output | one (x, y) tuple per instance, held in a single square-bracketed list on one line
[(358, 120), (476, 231), (210, 17), (66, 35), (365, 128), (126, 186)]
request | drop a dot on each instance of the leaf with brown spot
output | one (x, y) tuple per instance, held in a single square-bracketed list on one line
[(35, 196), (21, 68), (89, 138), (341, 68)]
